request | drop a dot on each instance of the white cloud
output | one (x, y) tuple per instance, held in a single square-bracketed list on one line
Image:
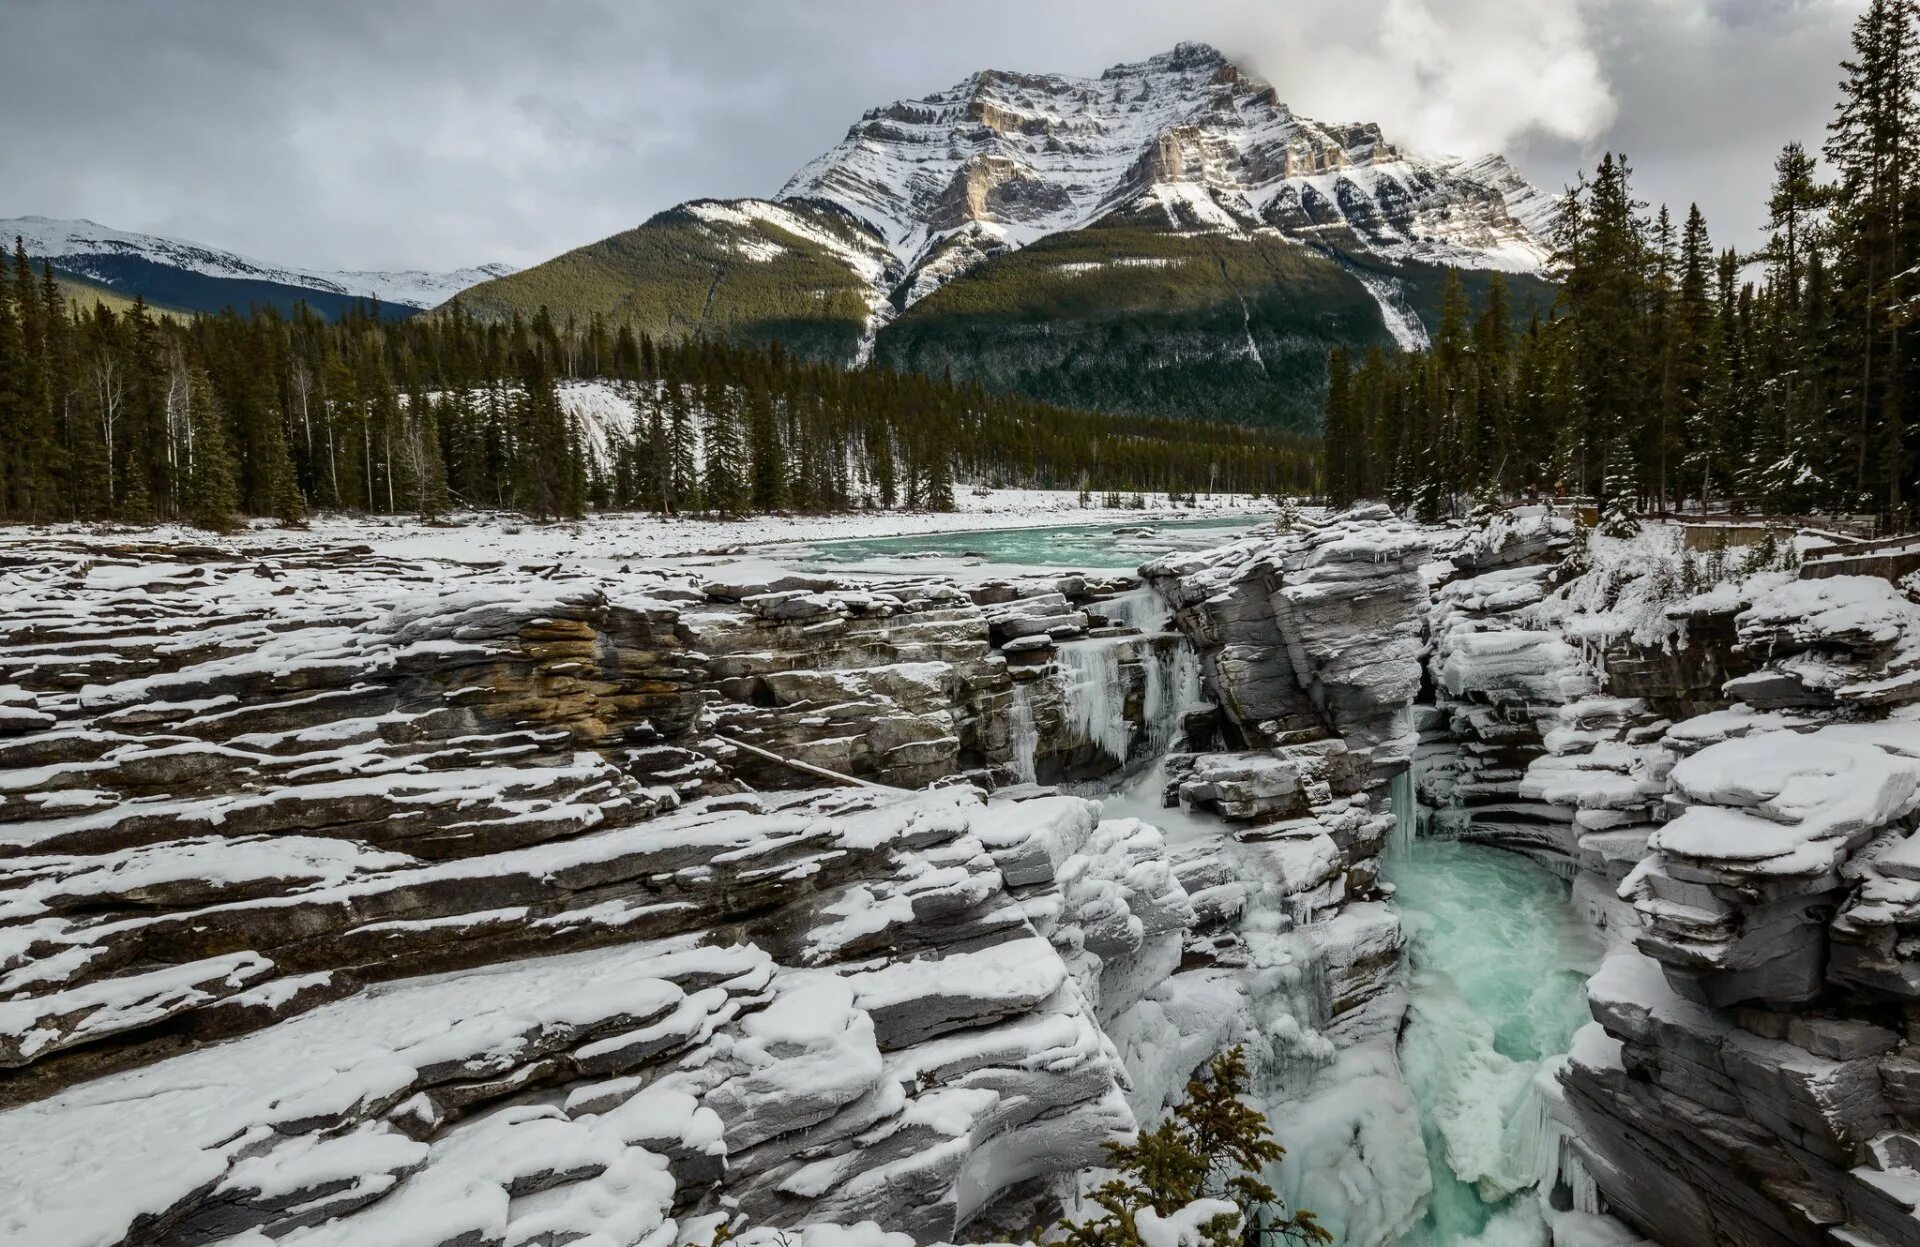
[(1461, 76)]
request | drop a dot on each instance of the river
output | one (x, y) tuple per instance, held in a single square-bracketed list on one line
[(1500, 959), (1498, 954)]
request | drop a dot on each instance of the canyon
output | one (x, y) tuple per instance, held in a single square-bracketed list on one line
[(1559, 890)]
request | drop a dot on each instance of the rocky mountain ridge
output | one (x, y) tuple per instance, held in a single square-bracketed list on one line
[(1003, 159), (175, 273)]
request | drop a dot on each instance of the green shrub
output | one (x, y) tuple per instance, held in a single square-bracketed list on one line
[(1213, 1146)]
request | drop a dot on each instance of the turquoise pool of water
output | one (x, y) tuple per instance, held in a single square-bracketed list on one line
[(1092, 546), (1500, 958)]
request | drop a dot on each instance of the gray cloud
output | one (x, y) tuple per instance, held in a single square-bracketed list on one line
[(435, 133)]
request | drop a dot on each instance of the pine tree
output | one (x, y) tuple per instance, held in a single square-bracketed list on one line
[(1617, 518), (1213, 1146), (1337, 432), (768, 461), (682, 465), (1871, 144), (213, 496)]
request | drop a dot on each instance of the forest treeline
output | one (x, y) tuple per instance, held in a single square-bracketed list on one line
[(1671, 371), (139, 417)]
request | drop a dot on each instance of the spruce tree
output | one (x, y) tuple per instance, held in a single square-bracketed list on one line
[(682, 466), (212, 495), (1337, 432), (1872, 145), (767, 457), (1212, 1146)]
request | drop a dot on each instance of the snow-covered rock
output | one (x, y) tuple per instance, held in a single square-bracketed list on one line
[(1735, 759), (1002, 159)]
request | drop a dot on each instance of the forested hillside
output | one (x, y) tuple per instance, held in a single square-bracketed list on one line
[(1671, 371), (134, 416)]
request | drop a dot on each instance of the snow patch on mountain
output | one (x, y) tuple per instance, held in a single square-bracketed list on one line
[(73, 244), (736, 222), (1401, 321)]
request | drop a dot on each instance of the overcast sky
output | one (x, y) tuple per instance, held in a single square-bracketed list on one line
[(429, 133)]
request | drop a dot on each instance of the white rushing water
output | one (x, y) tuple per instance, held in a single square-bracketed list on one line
[(1500, 959)]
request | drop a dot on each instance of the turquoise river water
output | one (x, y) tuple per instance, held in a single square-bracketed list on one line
[(1092, 547), (1500, 959)]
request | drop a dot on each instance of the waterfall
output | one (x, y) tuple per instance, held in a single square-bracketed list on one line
[(1141, 609), (1093, 699), (1406, 815), (1023, 736), (1174, 690)]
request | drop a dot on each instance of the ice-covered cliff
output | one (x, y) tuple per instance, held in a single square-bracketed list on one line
[(1724, 764)]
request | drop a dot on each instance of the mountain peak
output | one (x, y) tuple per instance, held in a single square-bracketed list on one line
[(1006, 158), (1183, 56)]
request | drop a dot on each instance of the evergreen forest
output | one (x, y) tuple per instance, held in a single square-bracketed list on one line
[(1672, 373), (132, 416)]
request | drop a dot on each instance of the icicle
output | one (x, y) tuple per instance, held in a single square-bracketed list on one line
[(1174, 690), (1406, 814), (1093, 698), (1023, 735)]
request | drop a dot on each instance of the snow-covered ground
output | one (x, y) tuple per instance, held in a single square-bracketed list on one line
[(476, 537)]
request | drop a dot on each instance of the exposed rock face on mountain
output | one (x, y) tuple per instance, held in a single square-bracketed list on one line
[(188, 276), (1168, 237), (1014, 157), (1729, 778)]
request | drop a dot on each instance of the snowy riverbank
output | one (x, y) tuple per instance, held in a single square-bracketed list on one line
[(486, 537)]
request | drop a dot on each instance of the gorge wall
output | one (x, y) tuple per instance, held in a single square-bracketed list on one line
[(1724, 765), (348, 898), (352, 898)]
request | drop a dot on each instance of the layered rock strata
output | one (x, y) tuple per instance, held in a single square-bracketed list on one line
[(348, 899), (1310, 642), (1736, 763)]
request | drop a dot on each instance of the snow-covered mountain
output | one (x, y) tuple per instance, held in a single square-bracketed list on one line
[(1008, 158), (1167, 238), (135, 262)]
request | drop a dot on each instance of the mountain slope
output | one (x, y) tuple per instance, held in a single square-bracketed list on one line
[(192, 277), (1168, 238), (88, 293), (748, 270)]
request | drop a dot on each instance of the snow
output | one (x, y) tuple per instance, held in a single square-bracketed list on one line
[(1187, 1226), (1409, 333), (1785, 803), (635, 540), (82, 1164), (1217, 151), (73, 241)]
